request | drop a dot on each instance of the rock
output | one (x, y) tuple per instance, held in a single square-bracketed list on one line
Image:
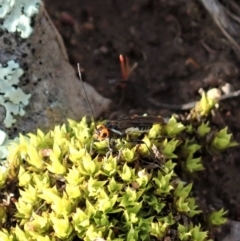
[(52, 90), (234, 234)]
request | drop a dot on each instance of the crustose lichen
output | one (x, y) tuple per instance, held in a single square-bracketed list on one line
[(11, 96)]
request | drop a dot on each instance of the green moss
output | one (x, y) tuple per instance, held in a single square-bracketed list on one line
[(66, 186)]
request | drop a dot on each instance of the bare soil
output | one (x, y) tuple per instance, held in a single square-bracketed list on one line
[(178, 50)]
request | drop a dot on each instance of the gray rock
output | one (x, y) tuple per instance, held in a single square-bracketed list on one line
[(50, 86)]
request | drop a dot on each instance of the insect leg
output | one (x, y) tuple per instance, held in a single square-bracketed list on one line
[(157, 162), (110, 149), (91, 148)]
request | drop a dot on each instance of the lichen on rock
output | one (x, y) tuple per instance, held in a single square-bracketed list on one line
[(17, 15), (11, 96)]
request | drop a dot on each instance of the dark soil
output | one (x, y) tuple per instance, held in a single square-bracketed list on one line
[(178, 50)]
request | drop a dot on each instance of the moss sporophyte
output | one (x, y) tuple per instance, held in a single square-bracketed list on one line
[(54, 188)]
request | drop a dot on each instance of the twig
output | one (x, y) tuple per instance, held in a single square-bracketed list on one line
[(189, 105), (220, 18), (234, 6), (230, 39), (230, 95), (186, 106), (205, 46), (232, 15), (179, 29), (218, 14)]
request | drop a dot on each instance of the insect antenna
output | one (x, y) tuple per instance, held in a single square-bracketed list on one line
[(85, 92)]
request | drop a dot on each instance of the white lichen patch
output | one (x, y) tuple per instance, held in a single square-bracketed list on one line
[(11, 96), (5, 143), (3, 147), (17, 14)]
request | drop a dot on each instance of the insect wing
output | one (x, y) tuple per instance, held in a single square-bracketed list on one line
[(139, 121)]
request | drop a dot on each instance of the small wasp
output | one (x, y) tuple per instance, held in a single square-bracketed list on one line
[(127, 126), (121, 128), (114, 129)]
